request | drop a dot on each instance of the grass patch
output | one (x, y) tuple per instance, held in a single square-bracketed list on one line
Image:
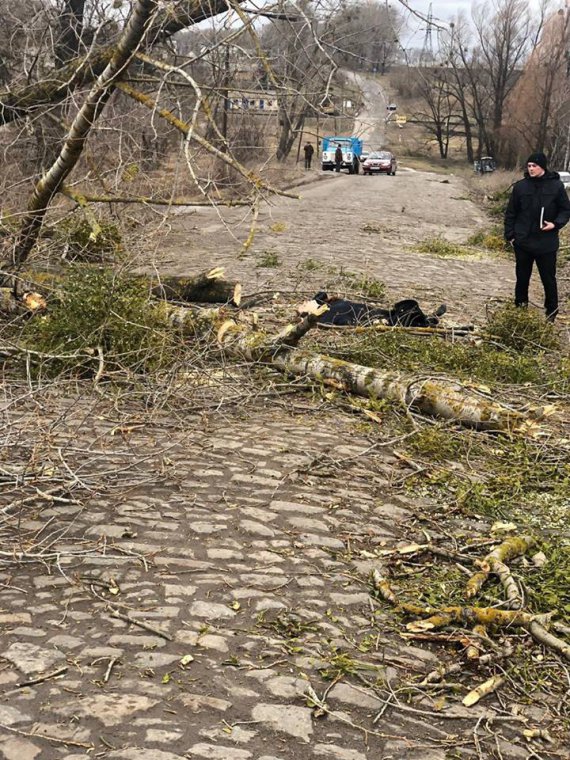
[(490, 239), (436, 444), (496, 202), (445, 587), (521, 348), (408, 353), (364, 285), (548, 586), (523, 330), (268, 260), (278, 227), (311, 265), (438, 246), (97, 312)]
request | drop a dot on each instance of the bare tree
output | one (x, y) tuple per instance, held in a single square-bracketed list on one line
[(502, 30), (366, 36), (540, 102), (441, 117), (298, 67), (483, 62)]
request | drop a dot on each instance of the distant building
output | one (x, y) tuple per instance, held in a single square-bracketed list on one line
[(253, 100)]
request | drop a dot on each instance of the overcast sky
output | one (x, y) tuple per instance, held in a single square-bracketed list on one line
[(442, 10)]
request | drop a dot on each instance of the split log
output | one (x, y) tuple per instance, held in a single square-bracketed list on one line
[(29, 302), (381, 585), (488, 687), (207, 287)]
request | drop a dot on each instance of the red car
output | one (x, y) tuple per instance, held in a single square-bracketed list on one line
[(380, 162)]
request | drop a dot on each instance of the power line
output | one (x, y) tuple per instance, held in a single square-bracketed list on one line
[(427, 55)]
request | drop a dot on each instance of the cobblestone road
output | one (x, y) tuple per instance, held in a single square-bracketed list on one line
[(211, 594), (354, 224)]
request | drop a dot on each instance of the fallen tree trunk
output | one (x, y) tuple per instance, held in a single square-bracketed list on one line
[(433, 396), (428, 395)]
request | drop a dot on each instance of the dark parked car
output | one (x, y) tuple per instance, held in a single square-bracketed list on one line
[(380, 162), (565, 177)]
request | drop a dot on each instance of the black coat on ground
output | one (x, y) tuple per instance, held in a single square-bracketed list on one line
[(406, 313), (523, 215)]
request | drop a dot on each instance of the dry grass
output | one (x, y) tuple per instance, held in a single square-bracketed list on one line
[(482, 187)]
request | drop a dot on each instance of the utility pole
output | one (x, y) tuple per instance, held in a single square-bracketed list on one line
[(427, 49)]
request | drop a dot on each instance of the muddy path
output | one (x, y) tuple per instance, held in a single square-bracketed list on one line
[(341, 223)]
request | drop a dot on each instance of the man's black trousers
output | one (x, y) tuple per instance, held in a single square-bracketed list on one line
[(546, 264)]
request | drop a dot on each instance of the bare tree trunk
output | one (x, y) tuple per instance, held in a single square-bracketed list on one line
[(51, 182), (289, 134)]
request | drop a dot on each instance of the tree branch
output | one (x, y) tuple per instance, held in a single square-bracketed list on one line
[(134, 32), (82, 71)]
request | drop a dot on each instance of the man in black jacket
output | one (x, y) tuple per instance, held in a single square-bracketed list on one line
[(338, 158), (309, 150), (537, 209)]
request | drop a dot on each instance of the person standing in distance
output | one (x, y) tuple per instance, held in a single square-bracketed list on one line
[(338, 158), (309, 150), (537, 209)]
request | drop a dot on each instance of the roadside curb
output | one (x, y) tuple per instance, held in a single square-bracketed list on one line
[(311, 180)]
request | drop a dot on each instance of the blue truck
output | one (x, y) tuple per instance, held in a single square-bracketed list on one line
[(351, 152)]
